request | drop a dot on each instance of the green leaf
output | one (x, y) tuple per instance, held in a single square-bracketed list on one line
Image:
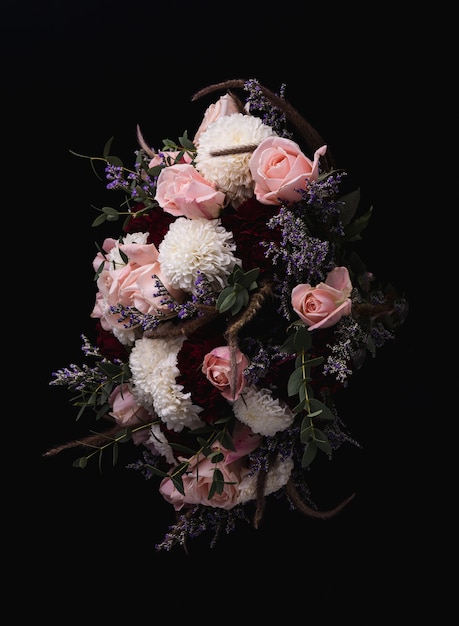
[(295, 382), (307, 430), (319, 407), (288, 346), (216, 456), (112, 370), (309, 454), (302, 340), (314, 362), (353, 230), (108, 146), (114, 160), (321, 441), (108, 210), (100, 219), (81, 462), (350, 203), (226, 302)]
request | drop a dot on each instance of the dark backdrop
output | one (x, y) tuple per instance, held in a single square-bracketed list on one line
[(76, 74)]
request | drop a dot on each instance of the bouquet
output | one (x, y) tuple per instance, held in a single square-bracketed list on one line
[(231, 306)]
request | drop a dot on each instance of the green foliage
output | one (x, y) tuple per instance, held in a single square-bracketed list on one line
[(236, 296), (299, 342), (122, 436)]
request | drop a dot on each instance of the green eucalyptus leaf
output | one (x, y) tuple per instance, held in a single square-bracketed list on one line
[(302, 339), (157, 471), (314, 362), (295, 381), (216, 456), (309, 454), (250, 278), (349, 205), (108, 210), (299, 407), (102, 412), (178, 483), (319, 407), (226, 303), (155, 170), (227, 441), (100, 219), (321, 441), (354, 229), (288, 347), (108, 146), (114, 160), (124, 435), (307, 430), (81, 462)]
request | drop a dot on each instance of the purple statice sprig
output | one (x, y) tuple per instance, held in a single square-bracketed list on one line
[(269, 114), (298, 258), (93, 384)]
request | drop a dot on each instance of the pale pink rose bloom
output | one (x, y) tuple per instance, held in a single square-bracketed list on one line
[(324, 305), (279, 168), (225, 105), (131, 285), (245, 441), (217, 368), (198, 478), (124, 409), (181, 190)]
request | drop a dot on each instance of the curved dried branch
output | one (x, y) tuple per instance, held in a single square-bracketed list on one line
[(309, 511), (312, 138)]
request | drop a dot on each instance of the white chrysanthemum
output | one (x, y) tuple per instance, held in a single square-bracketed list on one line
[(197, 246), (159, 441), (264, 414), (153, 363), (125, 336), (230, 172), (278, 476), (114, 256)]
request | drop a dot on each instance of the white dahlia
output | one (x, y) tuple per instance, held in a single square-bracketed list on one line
[(153, 364), (278, 476), (230, 172), (160, 444), (191, 247), (264, 414)]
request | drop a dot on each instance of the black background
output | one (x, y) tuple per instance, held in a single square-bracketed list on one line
[(76, 74)]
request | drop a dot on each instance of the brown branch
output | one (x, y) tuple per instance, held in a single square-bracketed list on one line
[(88, 442), (208, 313), (309, 511), (309, 134)]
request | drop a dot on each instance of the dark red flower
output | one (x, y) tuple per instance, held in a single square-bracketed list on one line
[(189, 362), (109, 345), (156, 223), (249, 225)]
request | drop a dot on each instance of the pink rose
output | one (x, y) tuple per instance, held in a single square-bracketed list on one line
[(131, 284), (225, 105), (125, 410), (198, 478), (322, 306), (219, 371), (279, 169), (181, 190)]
